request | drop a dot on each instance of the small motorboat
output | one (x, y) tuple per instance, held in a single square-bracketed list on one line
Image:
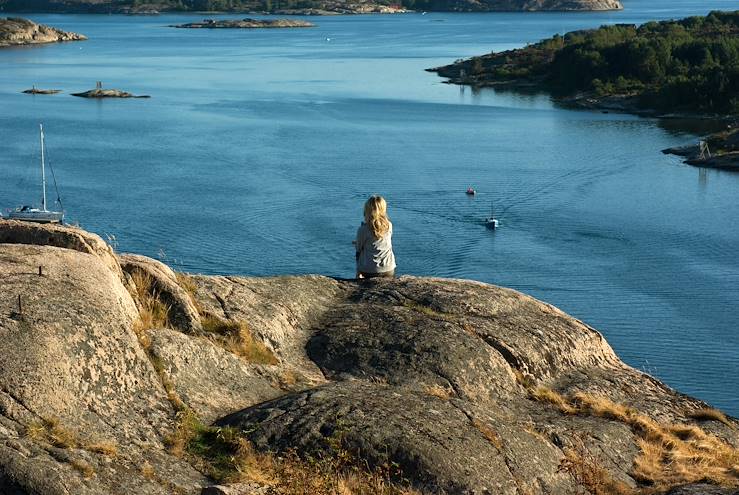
[(33, 214), (470, 191), (491, 223)]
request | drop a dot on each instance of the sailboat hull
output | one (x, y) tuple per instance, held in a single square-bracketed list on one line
[(36, 215)]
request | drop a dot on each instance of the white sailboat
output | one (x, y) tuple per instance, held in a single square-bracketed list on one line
[(40, 215)]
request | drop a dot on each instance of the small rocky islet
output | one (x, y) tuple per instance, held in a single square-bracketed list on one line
[(247, 23), (15, 31), (38, 91), (119, 375), (107, 93)]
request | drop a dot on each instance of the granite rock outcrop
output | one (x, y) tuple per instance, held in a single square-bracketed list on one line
[(460, 386), (18, 31)]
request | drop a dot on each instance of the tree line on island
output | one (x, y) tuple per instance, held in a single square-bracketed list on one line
[(687, 65), (335, 6)]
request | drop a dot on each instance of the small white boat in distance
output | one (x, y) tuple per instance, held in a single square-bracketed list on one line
[(491, 222), (39, 215)]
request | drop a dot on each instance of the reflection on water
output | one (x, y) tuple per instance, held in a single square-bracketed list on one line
[(703, 179), (258, 149)]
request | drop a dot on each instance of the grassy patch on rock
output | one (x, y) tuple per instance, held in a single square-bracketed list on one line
[(588, 471), (153, 313), (439, 391), (236, 337), (53, 432), (83, 467), (226, 456), (708, 414), (670, 454), (191, 287)]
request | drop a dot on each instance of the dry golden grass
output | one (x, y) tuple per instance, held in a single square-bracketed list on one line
[(287, 379), (589, 473), (708, 414), (594, 405), (362, 484), (469, 329), (191, 287), (544, 394), (147, 471), (153, 313), (141, 329), (53, 432), (235, 337), (36, 430), (489, 433), (525, 380), (83, 467), (187, 282), (436, 390), (103, 447), (225, 456), (186, 429), (670, 454)]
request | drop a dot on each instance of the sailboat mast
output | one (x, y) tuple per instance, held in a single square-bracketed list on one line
[(43, 168)]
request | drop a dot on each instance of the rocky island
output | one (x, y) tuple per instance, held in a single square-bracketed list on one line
[(17, 31), (37, 91), (302, 7), (99, 92), (119, 375), (245, 24)]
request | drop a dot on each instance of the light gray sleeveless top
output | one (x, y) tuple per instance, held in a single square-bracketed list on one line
[(375, 255)]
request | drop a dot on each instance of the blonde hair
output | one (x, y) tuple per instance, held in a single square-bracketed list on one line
[(375, 216)]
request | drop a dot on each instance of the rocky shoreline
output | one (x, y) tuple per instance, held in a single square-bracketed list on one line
[(15, 31), (245, 24), (118, 375), (722, 151)]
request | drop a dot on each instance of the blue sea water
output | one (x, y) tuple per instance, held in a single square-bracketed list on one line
[(258, 148)]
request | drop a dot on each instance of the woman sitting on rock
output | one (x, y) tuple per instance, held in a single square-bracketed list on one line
[(374, 245)]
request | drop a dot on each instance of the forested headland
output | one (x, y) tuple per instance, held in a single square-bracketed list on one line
[(687, 65)]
